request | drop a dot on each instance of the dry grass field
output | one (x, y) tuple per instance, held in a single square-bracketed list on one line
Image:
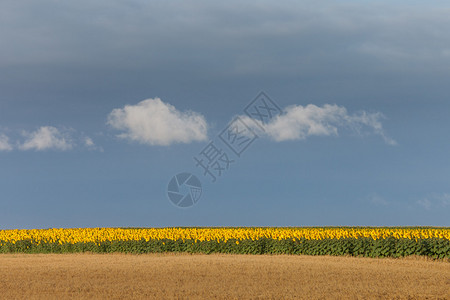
[(219, 276)]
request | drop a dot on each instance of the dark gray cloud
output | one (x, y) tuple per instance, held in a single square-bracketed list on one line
[(122, 52), (232, 38)]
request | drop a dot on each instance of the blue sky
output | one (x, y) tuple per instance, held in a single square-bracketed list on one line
[(102, 102)]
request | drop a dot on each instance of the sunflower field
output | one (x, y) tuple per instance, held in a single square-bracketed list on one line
[(355, 241)]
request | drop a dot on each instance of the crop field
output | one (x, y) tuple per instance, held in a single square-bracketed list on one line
[(220, 276), (350, 241), (170, 263)]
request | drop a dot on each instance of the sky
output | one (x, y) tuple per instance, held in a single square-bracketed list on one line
[(337, 113)]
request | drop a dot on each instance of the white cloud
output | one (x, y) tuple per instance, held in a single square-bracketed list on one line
[(370, 120), (444, 199), (377, 200), (4, 143), (154, 122), (425, 203), (47, 138), (90, 145), (89, 142), (298, 122), (435, 201)]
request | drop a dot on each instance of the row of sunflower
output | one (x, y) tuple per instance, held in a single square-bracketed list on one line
[(364, 241)]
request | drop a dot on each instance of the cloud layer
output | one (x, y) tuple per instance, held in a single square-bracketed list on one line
[(154, 122), (298, 122), (359, 36)]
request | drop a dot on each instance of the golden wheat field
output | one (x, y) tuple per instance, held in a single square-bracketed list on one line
[(220, 276)]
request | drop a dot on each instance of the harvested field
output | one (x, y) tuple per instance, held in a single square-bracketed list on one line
[(220, 276)]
